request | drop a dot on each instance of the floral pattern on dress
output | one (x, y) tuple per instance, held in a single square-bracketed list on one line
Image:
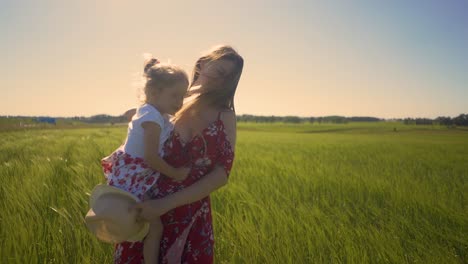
[(188, 230)]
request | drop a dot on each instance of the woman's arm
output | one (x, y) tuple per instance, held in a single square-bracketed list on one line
[(153, 209), (198, 190), (213, 180), (207, 184)]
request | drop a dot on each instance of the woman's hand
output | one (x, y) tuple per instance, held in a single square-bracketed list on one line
[(151, 210)]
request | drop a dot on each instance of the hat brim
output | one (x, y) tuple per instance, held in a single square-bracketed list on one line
[(102, 189)]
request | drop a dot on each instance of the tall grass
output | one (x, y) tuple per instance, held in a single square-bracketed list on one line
[(354, 193)]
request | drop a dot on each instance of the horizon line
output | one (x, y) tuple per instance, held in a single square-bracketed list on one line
[(256, 115)]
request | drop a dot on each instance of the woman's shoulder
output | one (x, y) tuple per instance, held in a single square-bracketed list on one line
[(228, 119)]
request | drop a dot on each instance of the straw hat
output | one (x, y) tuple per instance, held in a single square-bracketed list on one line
[(109, 217)]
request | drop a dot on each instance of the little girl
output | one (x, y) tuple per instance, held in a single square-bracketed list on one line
[(136, 165)]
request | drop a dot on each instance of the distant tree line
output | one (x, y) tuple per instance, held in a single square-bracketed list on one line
[(460, 120), (296, 119), (95, 119), (47, 121), (100, 119)]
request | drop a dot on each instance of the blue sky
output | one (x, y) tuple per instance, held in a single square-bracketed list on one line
[(307, 58)]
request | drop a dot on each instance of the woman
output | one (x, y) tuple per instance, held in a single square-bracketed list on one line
[(203, 139)]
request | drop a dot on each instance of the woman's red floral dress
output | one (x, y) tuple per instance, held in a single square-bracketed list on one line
[(188, 230)]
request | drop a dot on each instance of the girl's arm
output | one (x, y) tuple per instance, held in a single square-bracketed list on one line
[(152, 132)]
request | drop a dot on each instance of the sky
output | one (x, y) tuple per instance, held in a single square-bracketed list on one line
[(388, 59)]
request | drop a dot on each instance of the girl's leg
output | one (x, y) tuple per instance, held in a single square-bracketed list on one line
[(151, 243)]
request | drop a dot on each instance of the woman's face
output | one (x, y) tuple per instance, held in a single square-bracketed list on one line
[(214, 72)]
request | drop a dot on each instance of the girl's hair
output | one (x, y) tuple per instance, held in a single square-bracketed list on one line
[(220, 94), (159, 76)]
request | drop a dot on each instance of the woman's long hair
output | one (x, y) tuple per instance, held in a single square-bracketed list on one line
[(221, 94)]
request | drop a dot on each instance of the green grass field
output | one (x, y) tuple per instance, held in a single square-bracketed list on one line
[(353, 193)]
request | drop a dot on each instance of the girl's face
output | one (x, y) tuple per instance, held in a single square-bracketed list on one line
[(213, 72), (169, 99)]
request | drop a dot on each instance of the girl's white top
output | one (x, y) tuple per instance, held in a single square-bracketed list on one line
[(134, 144)]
